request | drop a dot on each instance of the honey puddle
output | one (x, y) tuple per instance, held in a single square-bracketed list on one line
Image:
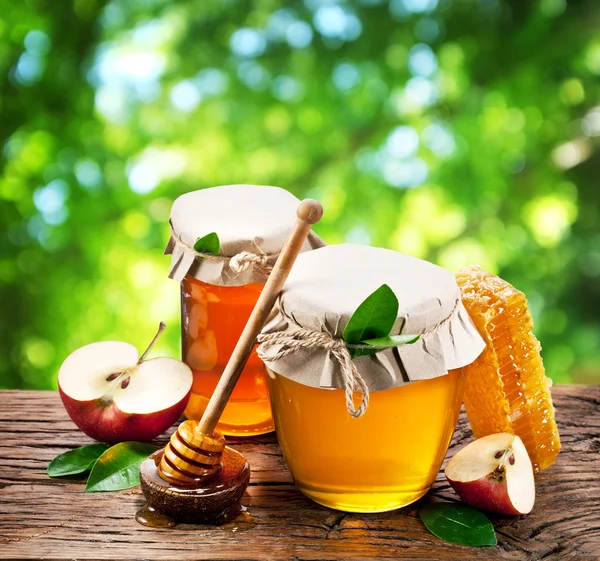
[(147, 516), (239, 521)]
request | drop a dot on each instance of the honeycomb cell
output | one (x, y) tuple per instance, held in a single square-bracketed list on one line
[(506, 388)]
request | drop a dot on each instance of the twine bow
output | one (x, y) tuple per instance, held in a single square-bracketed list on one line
[(308, 339)]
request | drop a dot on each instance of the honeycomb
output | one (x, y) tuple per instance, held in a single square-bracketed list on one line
[(506, 388)]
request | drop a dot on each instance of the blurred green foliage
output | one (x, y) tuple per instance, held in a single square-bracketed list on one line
[(459, 131)]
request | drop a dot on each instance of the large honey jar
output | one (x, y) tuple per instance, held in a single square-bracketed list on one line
[(369, 433), (241, 229)]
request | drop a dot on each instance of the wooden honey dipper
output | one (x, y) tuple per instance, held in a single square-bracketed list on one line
[(196, 453)]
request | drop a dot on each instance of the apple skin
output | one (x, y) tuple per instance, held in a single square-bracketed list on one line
[(107, 423), (486, 493), (494, 473)]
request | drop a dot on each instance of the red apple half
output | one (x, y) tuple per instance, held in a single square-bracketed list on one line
[(494, 473), (113, 395)]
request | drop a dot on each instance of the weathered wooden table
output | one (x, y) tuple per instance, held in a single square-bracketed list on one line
[(45, 518)]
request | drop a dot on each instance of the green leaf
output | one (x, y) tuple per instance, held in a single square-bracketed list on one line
[(458, 523), (386, 342), (118, 468), (208, 244), (76, 461), (374, 318)]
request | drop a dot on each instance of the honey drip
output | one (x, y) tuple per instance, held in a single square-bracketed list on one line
[(506, 389)]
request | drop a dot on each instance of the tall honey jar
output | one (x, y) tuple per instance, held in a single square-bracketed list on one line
[(224, 242), (366, 434)]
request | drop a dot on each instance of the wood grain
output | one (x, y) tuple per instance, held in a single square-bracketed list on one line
[(42, 517)]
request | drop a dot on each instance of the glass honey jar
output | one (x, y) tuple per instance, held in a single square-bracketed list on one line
[(380, 448), (241, 229)]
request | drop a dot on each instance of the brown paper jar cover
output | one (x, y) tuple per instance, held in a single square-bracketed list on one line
[(326, 286), (247, 218)]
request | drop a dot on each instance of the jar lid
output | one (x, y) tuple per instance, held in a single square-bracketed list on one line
[(252, 223), (324, 289)]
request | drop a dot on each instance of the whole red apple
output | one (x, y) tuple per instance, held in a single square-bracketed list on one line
[(494, 473), (113, 395)]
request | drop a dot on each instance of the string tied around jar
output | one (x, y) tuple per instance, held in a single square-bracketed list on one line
[(302, 338), (262, 263), (308, 339)]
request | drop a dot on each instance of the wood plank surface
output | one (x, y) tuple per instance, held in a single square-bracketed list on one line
[(45, 518)]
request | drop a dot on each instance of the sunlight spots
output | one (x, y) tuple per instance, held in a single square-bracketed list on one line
[(88, 173), (253, 74), (121, 73), (549, 218), (299, 35), (248, 42), (590, 125), (119, 65), (571, 91), (153, 166), (111, 103), (418, 94), (422, 61), (211, 81), (571, 153), (403, 8), (279, 23), (37, 43), (50, 201), (287, 88), (407, 173), (345, 76), (439, 140), (31, 64), (402, 142), (335, 22), (185, 96), (427, 29), (29, 70), (153, 33)]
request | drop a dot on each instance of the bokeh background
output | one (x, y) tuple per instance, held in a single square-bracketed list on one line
[(459, 131)]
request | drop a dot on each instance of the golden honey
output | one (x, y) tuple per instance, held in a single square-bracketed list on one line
[(506, 389), (383, 460), (213, 318)]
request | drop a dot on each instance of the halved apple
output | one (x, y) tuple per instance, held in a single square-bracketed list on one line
[(494, 473), (114, 395)]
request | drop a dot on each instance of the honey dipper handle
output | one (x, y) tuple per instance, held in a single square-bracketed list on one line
[(309, 212)]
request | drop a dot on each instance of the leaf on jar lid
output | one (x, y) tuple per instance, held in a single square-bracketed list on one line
[(73, 462), (208, 244), (389, 342), (119, 467), (458, 523), (374, 317)]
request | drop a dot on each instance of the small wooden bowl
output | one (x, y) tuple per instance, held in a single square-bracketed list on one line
[(211, 503)]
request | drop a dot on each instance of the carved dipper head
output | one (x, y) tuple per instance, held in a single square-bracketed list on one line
[(196, 478)]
